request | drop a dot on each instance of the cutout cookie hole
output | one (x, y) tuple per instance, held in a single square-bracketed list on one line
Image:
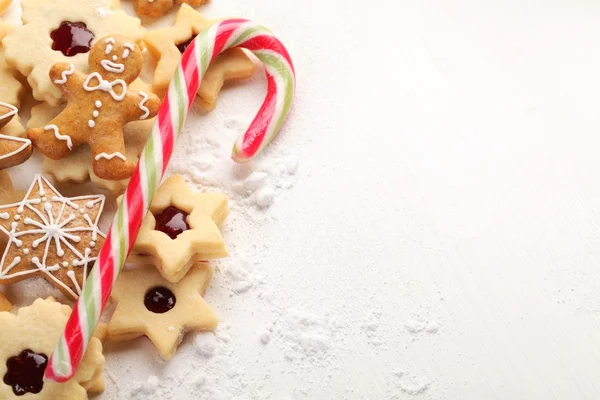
[(172, 221), (72, 38), (160, 300), (25, 372)]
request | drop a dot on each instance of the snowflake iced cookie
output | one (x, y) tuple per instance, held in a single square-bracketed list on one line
[(99, 105), (77, 167), (63, 31), (147, 304), (182, 228), (158, 8), (166, 46), (51, 236), (13, 150), (28, 339)]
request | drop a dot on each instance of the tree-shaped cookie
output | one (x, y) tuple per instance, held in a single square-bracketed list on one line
[(13, 150), (99, 105)]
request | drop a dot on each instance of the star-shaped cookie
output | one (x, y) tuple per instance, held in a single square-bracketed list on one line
[(158, 8), (51, 236), (182, 228), (10, 87), (29, 336), (147, 304), (166, 44), (13, 150)]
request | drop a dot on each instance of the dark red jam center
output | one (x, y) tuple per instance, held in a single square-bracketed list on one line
[(159, 300), (184, 45), (25, 372), (72, 38), (172, 221)]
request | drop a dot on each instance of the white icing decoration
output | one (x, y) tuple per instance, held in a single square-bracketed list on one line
[(95, 114), (50, 228), (112, 66), (106, 86), (142, 104), (109, 45), (65, 74), (26, 142), (4, 215), (98, 104), (110, 156), (125, 53), (64, 138), (91, 123), (115, 58)]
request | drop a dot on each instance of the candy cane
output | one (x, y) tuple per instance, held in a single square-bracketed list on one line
[(155, 157)]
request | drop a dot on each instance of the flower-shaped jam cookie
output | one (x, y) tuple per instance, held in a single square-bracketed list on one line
[(28, 339), (63, 31), (147, 304), (182, 228), (167, 45)]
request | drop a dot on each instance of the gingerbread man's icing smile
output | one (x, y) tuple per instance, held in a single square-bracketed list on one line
[(99, 105)]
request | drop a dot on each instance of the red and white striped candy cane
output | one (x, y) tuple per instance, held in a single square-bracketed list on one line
[(153, 162)]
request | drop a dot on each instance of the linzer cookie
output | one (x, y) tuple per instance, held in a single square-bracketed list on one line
[(99, 105), (28, 339), (63, 31), (147, 304), (166, 46), (158, 8), (51, 236), (13, 150), (182, 228)]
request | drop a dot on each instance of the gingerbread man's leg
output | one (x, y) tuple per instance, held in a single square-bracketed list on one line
[(108, 156), (52, 140)]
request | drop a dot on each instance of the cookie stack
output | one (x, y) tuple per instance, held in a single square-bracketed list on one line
[(82, 60)]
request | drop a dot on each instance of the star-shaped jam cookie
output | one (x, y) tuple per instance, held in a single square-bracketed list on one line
[(166, 46), (51, 236), (182, 228), (13, 150), (147, 304)]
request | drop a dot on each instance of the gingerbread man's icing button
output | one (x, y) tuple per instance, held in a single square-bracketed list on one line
[(28, 339), (99, 105), (182, 228), (147, 304), (50, 238)]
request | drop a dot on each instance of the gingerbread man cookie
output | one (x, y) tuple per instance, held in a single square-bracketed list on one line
[(158, 8), (28, 340), (77, 167), (51, 236), (99, 105), (63, 31), (13, 150), (147, 304), (166, 46), (182, 228)]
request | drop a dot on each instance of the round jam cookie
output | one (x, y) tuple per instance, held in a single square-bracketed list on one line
[(77, 167), (51, 236), (10, 87), (28, 339), (166, 46), (149, 305), (60, 24), (99, 104), (158, 8), (182, 228)]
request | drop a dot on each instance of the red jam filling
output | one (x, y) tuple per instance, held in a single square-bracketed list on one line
[(172, 221), (72, 38), (25, 372), (159, 300), (183, 46)]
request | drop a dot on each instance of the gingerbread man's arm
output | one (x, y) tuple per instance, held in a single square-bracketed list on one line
[(66, 78), (141, 105)]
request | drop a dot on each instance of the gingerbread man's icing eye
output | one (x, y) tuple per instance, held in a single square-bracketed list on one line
[(109, 45), (129, 48)]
